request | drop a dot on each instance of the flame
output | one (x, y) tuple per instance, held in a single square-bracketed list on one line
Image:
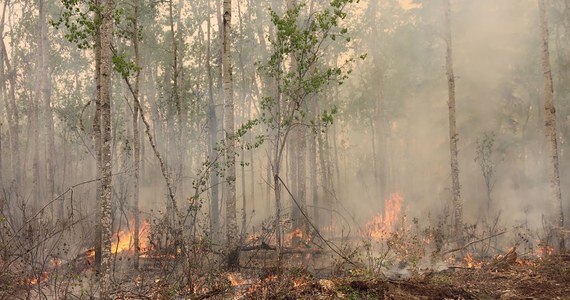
[(38, 279), (252, 238), (471, 262), (90, 252), (237, 279), (297, 282), (381, 225), (543, 249), (54, 263), (296, 234), (123, 241)]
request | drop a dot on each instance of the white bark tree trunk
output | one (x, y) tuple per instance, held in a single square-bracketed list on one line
[(106, 139), (230, 180), (550, 127), (453, 136)]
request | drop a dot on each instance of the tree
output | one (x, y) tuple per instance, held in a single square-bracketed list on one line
[(12, 111), (230, 179), (550, 126), (136, 132), (298, 68), (46, 99), (485, 160), (453, 136), (106, 64)]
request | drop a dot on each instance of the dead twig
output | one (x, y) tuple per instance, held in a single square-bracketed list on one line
[(329, 244), (472, 242)]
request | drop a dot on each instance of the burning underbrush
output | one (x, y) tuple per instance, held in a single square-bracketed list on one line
[(388, 257)]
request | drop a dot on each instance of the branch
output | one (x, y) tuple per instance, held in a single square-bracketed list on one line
[(473, 242), (329, 244), (154, 148)]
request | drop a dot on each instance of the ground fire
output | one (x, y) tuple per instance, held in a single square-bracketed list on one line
[(383, 223)]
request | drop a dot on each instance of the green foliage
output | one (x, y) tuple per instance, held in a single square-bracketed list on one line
[(299, 63), (81, 18), (124, 66)]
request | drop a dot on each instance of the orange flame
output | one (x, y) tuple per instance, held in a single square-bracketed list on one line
[(471, 262), (382, 225), (296, 233), (237, 279), (543, 249), (38, 279), (54, 262), (123, 241)]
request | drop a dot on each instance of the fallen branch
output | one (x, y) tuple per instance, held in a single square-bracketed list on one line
[(472, 242), (152, 142), (329, 244), (263, 246)]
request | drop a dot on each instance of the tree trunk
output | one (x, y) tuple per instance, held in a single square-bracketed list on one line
[(46, 97), (37, 182), (136, 137), (213, 135), (106, 139), (453, 136), (98, 143), (230, 180), (550, 127), (302, 179), (9, 76)]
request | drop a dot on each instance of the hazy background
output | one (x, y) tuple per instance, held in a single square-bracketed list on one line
[(391, 133)]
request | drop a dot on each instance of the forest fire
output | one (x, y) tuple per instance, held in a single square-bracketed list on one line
[(123, 241), (295, 234), (471, 262), (39, 279), (382, 224), (44, 275), (543, 249), (237, 279)]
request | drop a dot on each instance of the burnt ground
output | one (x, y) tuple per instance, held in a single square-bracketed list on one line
[(508, 277), (546, 278)]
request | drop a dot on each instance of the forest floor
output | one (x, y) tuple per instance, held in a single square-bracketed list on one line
[(506, 276), (503, 278), (548, 278)]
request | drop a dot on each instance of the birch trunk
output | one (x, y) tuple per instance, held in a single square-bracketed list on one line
[(13, 115), (136, 137), (230, 182), (46, 97), (97, 142), (213, 132), (106, 73), (453, 136), (550, 127)]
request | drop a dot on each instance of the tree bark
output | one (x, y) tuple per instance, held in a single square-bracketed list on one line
[(97, 142), (13, 115), (213, 136), (136, 136), (230, 180), (550, 127), (106, 139), (453, 136), (46, 97)]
